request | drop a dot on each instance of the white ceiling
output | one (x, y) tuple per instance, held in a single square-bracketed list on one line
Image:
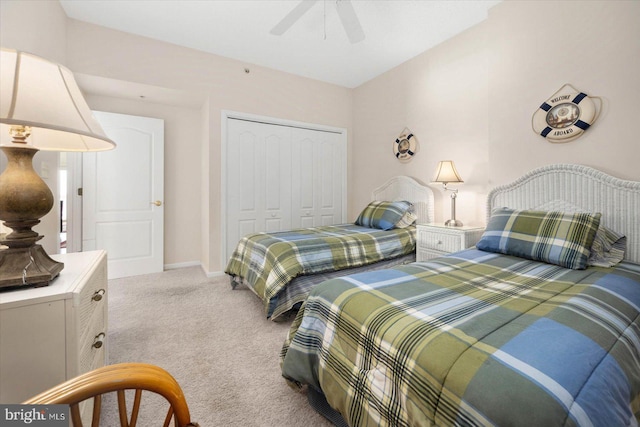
[(316, 46)]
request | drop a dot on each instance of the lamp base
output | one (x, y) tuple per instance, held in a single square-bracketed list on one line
[(26, 267), (453, 223)]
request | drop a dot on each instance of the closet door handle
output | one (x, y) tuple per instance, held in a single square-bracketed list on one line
[(157, 203)]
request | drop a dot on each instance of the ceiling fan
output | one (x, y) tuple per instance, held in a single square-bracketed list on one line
[(346, 13)]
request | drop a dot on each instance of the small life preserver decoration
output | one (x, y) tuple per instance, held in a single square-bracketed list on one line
[(405, 146), (564, 117)]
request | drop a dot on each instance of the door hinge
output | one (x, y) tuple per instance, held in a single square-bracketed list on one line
[(80, 191)]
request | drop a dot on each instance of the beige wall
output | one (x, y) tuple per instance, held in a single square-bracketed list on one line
[(182, 172), (471, 99), (536, 47), (38, 27), (192, 135), (97, 51), (441, 96)]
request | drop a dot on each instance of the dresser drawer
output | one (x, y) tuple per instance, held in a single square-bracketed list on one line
[(93, 343), (92, 297), (47, 333)]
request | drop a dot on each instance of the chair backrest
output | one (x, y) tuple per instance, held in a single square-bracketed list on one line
[(117, 379)]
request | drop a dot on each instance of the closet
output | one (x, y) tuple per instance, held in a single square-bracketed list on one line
[(281, 176)]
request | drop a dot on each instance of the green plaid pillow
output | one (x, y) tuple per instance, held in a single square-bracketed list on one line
[(554, 237), (383, 215)]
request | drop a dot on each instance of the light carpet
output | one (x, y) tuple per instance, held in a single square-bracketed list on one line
[(215, 341)]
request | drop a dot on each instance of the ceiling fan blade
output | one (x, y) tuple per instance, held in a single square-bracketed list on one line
[(350, 21), (291, 18)]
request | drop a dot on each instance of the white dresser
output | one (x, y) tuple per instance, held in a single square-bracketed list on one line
[(51, 334), (435, 240)]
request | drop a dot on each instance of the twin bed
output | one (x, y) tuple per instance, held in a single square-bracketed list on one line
[(528, 328), (282, 267)]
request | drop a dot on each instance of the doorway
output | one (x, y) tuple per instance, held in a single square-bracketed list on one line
[(115, 198)]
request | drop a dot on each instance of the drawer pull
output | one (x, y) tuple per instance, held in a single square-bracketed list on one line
[(97, 296), (439, 242), (98, 340)]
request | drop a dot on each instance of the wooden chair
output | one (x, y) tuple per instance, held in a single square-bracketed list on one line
[(119, 378)]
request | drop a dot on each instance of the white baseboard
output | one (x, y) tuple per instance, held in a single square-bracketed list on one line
[(211, 274), (182, 265)]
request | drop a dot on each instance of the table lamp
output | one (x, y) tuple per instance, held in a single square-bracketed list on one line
[(41, 108), (446, 173)]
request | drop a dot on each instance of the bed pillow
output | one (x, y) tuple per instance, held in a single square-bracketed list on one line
[(409, 218), (383, 215), (559, 238), (607, 249)]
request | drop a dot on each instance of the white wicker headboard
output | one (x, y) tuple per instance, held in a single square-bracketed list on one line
[(407, 188), (576, 188)]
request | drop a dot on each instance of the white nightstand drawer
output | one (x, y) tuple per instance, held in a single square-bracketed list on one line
[(435, 240), (440, 241)]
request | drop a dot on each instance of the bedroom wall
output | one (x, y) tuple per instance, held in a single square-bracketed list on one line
[(224, 84), (536, 47), (183, 138), (38, 27), (471, 99), (441, 96)]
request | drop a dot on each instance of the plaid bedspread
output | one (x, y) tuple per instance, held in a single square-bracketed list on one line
[(268, 261), (475, 338)]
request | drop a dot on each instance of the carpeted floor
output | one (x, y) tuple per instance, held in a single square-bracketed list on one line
[(214, 340)]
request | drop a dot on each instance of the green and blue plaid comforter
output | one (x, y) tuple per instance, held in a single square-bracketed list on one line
[(268, 261), (475, 338)]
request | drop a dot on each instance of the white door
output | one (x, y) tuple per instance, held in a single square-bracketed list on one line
[(258, 165), (281, 176), (123, 196), (317, 180)]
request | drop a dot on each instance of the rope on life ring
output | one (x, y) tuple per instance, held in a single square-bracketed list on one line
[(404, 147), (563, 118)]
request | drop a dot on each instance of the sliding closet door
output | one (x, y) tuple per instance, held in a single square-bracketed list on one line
[(318, 170), (258, 175), (281, 176)]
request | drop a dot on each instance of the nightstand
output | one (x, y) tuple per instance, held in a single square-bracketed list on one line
[(435, 240)]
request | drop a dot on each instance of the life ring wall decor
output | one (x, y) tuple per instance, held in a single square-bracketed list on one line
[(405, 146), (566, 115)]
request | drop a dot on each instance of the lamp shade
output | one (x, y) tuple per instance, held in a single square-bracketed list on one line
[(43, 95), (446, 173)]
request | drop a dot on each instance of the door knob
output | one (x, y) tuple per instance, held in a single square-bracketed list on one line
[(157, 203)]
